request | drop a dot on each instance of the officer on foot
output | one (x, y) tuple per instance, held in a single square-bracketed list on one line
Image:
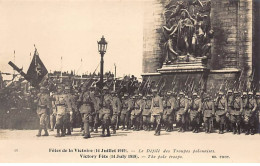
[(194, 111), (127, 106), (116, 106), (156, 111), (136, 113), (169, 103), (221, 111), (43, 106), (85, 103), (146, 113), (236, 113), (183, 104), (208, 111), (230, 99)]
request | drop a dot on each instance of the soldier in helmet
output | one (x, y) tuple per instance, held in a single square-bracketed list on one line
[(221, 110), (106, 111), (116, 105), (53, 113), (194, 111), (86, 110), (230, 99), (71, 114), (43, 106), (183, 104), (170, 105), (156, 111), (97, 106), (249, 106), (257, 97), (146, 113), (136, 112), (127, 106), (64, 108), (236, 113), (208, 111)]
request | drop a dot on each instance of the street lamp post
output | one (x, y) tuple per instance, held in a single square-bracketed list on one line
[(102, 47)]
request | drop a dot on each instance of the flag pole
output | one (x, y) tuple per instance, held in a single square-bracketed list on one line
[(61, 69), (14, 62)]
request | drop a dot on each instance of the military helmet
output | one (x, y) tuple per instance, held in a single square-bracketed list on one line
[(148, 95), (43, 88), (140, 94), (220, 93), (169, 93), (244, 94), (250, 93), (229, 91), (144, 98), (105, 88), (125, 95), (257, 94), (195, 94), (113, 92), (235, 92), (154, 90), (181, 93)]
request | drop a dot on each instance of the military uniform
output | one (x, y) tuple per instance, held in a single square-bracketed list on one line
[(43, 106), (194, 112), (236, 114), (116, 106), (182, 109), (53, 113), (230, 99), (146, 113), (86, 110), (127, 106), (156, 112), (221, 110), (258, 111), (105, 114), (169, 105), (136, 114), (208, 111), (249, 106), (97, 107), (72, 110)]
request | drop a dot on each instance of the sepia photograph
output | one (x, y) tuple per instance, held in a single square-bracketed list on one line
[(129, 81)]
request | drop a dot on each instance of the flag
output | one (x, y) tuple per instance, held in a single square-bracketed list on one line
[(37, 71)]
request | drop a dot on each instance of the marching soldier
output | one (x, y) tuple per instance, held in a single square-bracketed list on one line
[(221, 110), (194, 112), (97, 106), (146, 113), (127, 106), (258, 110), (156, 111), (169, 104), (182, 109), (249, 113), (208, 111), (43, 106), (230, 99), (85, 103), (105, 112), (73, 109), (53, 113), (136, 112), (236, 113), (64, 108), (116, 105)]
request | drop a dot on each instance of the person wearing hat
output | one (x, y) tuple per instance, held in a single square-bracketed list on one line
[(221, 111), (146, 113), (156, 111), (97, 108), (53, 112), (208, 111), (182, 105), (230, 99), (43, 106), (236, 113), (249, 106), (136, 112), (63, 109), (169, 105), (116, 106), (71, 113), (127, 106), (194, 111), (257, 97), (106, 112), (85, 103)]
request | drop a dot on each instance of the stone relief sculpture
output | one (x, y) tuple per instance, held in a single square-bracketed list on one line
[(187, 30)]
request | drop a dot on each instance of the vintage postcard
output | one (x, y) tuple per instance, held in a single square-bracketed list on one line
[(129, 81)]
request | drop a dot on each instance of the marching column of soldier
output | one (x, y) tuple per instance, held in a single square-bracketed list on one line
[(93, 108)]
